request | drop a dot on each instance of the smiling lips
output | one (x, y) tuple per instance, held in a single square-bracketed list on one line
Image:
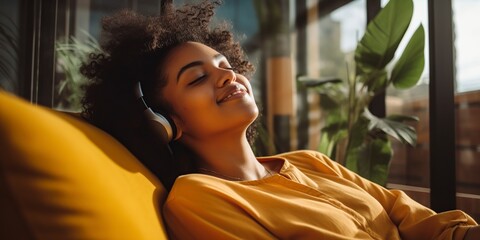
[(235, 93)]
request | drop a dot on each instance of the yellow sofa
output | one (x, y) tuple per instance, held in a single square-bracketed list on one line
[(62, 178)]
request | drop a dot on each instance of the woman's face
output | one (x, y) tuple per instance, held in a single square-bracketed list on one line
[(208, 98)]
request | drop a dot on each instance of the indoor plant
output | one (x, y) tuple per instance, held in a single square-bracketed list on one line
[(352, 135), (71, 53)]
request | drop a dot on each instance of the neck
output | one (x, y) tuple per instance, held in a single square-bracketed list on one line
[(230, 157)]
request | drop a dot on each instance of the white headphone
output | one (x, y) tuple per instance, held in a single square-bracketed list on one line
[(161, 125)]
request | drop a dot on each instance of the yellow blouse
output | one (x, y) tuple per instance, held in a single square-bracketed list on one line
[(312, 197)]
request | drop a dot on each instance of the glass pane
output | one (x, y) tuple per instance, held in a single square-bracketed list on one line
[(467, 104), (409, 169), (78, 30), (466, 38), (9, 38), (331, 41)]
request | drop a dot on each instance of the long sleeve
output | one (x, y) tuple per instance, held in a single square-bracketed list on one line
[(413, 220)]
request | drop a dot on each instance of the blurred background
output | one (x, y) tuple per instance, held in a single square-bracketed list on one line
[(301, 49)]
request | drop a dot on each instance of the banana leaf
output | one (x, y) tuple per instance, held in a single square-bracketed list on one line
[(332, 133), (383, 35), (371, 159), (391, 126), (409, 68)]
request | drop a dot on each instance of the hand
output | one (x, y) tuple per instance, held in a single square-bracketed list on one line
[(473, 233)]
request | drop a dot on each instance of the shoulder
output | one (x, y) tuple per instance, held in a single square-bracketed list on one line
[(203, 194), (309, 160), (198, 188), (306, 158), (304, 155), (195, 184)]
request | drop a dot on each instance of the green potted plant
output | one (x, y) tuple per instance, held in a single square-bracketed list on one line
[(352, 135), (71, 53)]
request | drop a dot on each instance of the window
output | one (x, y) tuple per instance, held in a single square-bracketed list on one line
[(467, 104), (466, 40)]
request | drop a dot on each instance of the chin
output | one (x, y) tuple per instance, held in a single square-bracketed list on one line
[(253, 111)]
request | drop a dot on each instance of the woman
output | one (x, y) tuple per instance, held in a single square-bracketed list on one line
[(196, 76)]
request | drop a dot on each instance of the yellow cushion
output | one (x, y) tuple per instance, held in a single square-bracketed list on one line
[(61, 178)]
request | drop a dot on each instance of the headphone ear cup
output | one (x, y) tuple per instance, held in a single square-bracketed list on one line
[(161, 125)]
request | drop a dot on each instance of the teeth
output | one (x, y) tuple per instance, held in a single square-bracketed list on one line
[(231, 94)]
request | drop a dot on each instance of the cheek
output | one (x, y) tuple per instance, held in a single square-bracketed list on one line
[(195, 104), (243, 80)]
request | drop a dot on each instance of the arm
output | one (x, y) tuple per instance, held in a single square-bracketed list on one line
[(413, 220)]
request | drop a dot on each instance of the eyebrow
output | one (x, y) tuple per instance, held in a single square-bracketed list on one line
[(196, 63)]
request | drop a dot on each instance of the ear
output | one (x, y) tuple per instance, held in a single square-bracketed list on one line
[(178, 125)]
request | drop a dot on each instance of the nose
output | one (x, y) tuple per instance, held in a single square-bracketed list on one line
[(225, 77)]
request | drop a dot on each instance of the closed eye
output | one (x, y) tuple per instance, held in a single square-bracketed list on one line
[(198, 80)]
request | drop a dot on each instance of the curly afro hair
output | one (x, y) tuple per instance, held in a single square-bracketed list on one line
[(133, 48)]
